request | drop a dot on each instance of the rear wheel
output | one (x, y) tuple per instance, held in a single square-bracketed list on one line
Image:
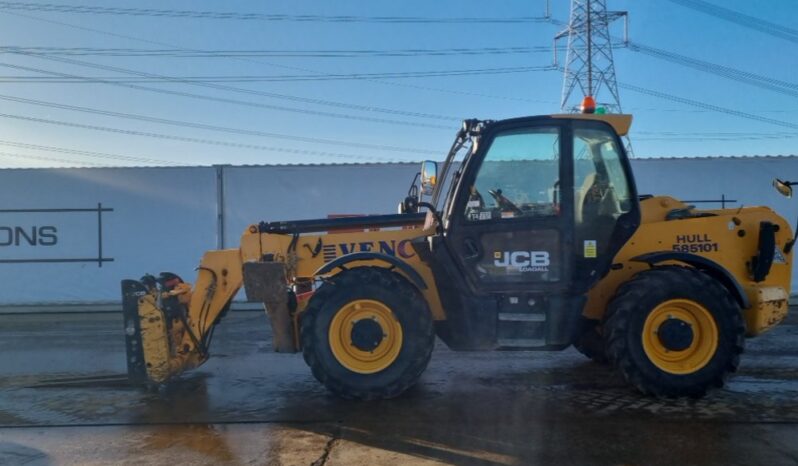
[(367, 334), (674, 331)]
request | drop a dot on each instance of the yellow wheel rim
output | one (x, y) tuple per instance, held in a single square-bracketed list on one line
[(701, 347), (347, 330)]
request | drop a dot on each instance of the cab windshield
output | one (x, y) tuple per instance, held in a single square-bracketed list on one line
[(519, 176)]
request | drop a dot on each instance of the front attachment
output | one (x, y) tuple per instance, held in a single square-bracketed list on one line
[(132, 291), (155, 330)]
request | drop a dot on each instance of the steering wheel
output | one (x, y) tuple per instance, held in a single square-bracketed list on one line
[(504, 203)]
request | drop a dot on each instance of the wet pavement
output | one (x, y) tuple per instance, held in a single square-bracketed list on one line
[(64, 400)]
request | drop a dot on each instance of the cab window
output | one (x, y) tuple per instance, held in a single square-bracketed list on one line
[(601, 188), (519, 177)]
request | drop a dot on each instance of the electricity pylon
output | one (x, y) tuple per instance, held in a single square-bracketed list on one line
[(589, 66)]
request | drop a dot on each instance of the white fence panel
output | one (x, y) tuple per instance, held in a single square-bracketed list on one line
[(274, 193), (70, 235), (151, 220), (746, 180)]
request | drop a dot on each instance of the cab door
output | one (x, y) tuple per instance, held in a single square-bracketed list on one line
[(543, 205), (511, 223)]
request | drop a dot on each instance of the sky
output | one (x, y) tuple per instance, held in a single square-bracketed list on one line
[(288, 115)]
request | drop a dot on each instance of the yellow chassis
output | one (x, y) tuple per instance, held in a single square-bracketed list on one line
[(728, 238)]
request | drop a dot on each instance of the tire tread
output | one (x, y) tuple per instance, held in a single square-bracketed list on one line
[(639, 290), (353, 279)]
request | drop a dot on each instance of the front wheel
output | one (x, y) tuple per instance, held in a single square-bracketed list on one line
[(674, 331), (367, 334)]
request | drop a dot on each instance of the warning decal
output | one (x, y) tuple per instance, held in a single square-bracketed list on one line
[(590, 248)]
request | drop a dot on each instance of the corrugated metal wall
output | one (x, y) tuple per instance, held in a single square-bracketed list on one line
[(70, 235)]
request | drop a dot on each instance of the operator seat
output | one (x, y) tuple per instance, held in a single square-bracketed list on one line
[(581, 196), (595, 198)]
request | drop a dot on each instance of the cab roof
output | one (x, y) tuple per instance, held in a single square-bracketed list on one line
[(620, 122)]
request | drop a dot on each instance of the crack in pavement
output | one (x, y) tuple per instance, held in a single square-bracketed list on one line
[(326, 453)]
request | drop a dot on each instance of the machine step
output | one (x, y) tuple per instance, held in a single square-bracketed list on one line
[(521, 317), (521, 342)]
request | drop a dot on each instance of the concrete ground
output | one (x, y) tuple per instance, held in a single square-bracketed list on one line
[(64, 400)]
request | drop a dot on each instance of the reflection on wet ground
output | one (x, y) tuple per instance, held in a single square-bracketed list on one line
[(62, 401)]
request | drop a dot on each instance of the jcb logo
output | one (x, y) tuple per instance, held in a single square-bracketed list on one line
[(525, 261)]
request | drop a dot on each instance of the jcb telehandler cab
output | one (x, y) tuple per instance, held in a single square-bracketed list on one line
[(532, 237)]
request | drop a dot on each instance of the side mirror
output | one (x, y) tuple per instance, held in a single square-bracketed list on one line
[(429, 176), (783, 187)]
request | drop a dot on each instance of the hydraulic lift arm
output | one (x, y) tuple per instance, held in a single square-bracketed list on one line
[(169, 324)]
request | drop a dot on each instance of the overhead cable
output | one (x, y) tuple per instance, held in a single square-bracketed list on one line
[(247, 53), (256, 16), (50, 159), (289, 67), (707, 106), (188, 124), (741, 19), (92, 154), (758, 80), (193, 140), (247, 103), (279, 78)]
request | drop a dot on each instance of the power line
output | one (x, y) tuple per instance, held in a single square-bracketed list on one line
[(315, 101), (187, 124), (231, 15), (718, 70), (720, 133), (764, 82), (707, 106), (741, 19), (92, 154), (192, 140), (266, 94), (357, 53), (348, 105), (367, 108), (277, 78), (707, 138), (680, 100), (261, 133), (773, 135), (761, 81), (704, 105), (49, 159), (274, 95), (701, 65), (712, 136), (249, 103)]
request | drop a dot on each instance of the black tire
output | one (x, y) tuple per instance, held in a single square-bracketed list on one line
[(632, 305), (407, 305), (590, 341)]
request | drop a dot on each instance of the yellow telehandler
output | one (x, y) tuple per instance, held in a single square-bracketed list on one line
[(531, 236)]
